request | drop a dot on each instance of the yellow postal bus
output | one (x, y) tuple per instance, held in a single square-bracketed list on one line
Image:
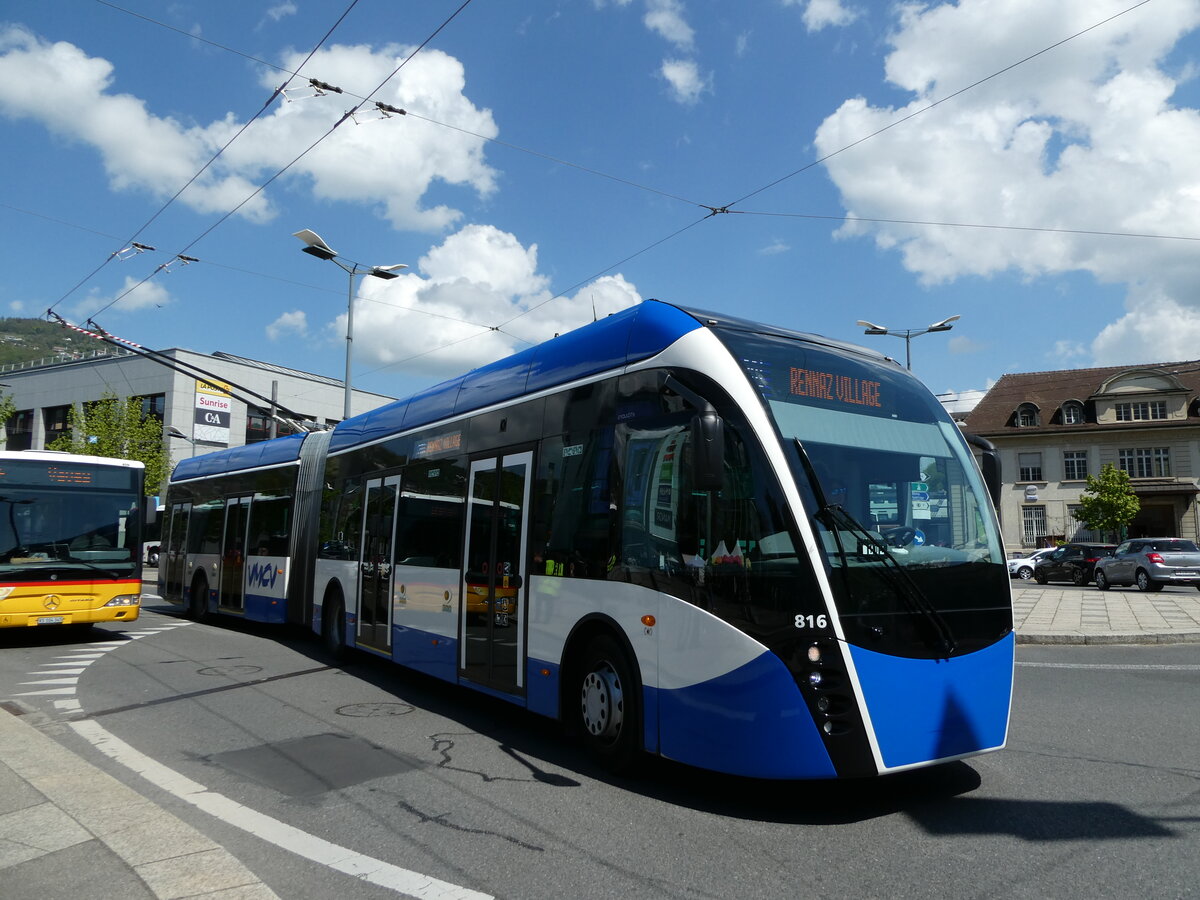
[(70, 539)]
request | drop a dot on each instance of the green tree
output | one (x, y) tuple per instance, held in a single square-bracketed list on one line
[(118, 429), (1108, 503), (7, 408)]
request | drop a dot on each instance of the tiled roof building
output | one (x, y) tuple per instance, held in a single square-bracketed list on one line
[(1054, 429)]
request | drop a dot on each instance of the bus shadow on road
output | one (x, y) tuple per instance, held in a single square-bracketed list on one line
[(1037, 820)]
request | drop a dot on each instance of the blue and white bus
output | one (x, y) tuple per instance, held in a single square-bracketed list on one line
[(737, 546)]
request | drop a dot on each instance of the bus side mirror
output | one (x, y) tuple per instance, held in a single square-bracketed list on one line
[(989, 465), (708, 450)]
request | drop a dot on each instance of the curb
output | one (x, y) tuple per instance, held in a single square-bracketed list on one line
[(1102, 638), (171, 858)]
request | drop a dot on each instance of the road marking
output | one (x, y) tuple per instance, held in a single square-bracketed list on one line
[(287, 837), (1116, 667)]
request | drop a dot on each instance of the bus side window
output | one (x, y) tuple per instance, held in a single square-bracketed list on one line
[(574, 505)]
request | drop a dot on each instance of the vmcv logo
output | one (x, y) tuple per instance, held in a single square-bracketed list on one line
[(263, 575)]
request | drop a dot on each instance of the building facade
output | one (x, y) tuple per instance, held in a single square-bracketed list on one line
[(1053, 429), (199, 412)]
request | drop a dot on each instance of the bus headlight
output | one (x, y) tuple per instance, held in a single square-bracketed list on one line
[(815, 678), (125, 600)]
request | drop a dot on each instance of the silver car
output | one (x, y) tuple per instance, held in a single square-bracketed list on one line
[(1151, 563), (1022, 566)]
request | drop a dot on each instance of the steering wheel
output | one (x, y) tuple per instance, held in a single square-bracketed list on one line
[(900, 537)]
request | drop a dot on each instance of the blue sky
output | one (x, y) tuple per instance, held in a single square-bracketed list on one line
[(562, 158)]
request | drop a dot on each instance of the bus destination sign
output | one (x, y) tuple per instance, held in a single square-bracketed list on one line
[(838, 388)]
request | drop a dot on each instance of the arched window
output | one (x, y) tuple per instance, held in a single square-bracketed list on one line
[(1027, 416), (1072, 413)]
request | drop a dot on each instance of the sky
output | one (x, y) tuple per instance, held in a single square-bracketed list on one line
[(1031, 167)]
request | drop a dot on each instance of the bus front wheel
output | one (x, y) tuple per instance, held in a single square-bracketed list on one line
[(609, 709)]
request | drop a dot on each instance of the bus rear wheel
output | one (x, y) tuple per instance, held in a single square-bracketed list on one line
[(609, 708)]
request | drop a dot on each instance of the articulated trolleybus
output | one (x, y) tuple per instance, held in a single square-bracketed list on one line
[(744, 548), (70, 539)]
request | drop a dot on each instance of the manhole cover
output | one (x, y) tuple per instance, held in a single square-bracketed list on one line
[(230, 670)]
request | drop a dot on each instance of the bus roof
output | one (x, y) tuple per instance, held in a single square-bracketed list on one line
[(263, 453), (64, 457), (617, 340)]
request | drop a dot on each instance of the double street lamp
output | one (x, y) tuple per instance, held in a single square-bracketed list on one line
[(314, 246), (907, 333)]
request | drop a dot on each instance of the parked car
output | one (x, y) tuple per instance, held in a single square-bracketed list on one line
[(1071, 562), (1151, 563), (1022, 566)]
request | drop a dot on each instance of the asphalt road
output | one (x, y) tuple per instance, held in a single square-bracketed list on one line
[(1097, 794)]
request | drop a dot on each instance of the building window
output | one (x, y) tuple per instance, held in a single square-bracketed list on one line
[(1077, 529), (55, 418), (1072, 413), (1145, 462), (1143, 411), (1075, 465), (1033, 525), (1027, 416), (258, 426), (1029, 466), (20, 430), (154, 405)]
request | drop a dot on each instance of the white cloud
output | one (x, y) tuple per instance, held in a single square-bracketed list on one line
[(477, 278), (281, 10), (290, 324), (665, 18), (17, 306), (1065, 351), (133, 296), (775, 247), (387, 163), (1156, 328), (820, 14), (684, 80), (1086, 137)]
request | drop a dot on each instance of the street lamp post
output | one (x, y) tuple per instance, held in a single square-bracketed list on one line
[(173, 432), (314, 246), (907, 333)]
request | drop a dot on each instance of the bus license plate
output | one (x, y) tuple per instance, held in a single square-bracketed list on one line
[(50, 620)]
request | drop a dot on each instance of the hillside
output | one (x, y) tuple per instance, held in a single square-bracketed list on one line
[(26, 340)]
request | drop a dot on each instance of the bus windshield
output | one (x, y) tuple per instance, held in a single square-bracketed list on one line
[(911, 532), (75, 522)]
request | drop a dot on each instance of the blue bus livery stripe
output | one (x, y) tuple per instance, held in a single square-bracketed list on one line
[(752, 721), (619, 339), (928, 709), (262, 608), (264, 453)]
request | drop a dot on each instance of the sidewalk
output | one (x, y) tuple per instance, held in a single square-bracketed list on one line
[(1055, 614), (69, 829)]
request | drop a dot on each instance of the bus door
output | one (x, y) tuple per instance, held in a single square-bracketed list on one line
[(233, 555), (493, 606), (173, 551), (375, 566)]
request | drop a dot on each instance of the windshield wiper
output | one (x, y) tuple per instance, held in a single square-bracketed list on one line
[(832, 515)]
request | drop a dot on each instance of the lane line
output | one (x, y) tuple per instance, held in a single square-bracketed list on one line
[(282, 835)]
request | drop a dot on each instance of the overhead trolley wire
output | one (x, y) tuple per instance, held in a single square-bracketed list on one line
[(192, 180), (930, 106)]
